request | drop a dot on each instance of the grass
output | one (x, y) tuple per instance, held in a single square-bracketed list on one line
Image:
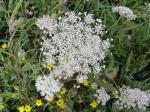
[(20, 63)]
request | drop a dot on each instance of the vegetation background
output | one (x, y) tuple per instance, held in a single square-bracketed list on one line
[(20, 63)]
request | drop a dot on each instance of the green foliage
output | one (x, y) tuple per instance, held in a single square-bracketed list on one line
[(20, 63)]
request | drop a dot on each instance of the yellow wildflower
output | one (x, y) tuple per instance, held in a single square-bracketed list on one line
[(93, 104), (21, 109), (85, 82), (39, 103), (63, 91), (28, 108), (51, 99), (49, 66), (4, 46), (60, 103)]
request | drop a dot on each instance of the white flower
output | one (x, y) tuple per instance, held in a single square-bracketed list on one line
[(132, 98), (124, 12), (48, 86), (81, 78), (45, 23), (102, 96), (74, 44), (89, 18)]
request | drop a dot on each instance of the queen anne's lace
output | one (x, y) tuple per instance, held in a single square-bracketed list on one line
[(81, 78), (74, 43), (124, 12), (48, 86), (102, 96), (133, 98)]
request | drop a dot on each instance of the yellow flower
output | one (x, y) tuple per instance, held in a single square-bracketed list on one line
[(21, 109), (85, 82), (49, 66), (93, 104), (51, 99), (39, 103), (63, 91), (60, 103), (4, 46), (28, 108)]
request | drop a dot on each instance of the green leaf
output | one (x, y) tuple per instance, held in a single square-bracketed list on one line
[(128, 61), (17, 7), (114, 109), (108, 86)]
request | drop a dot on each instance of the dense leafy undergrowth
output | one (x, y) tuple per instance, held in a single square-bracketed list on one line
[(31, 60)]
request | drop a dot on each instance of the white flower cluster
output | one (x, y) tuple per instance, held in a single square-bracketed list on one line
[(74, 43), (81, 78), (133, 98), (45, 23), (102, 96), (124, 12), (48, 86)]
